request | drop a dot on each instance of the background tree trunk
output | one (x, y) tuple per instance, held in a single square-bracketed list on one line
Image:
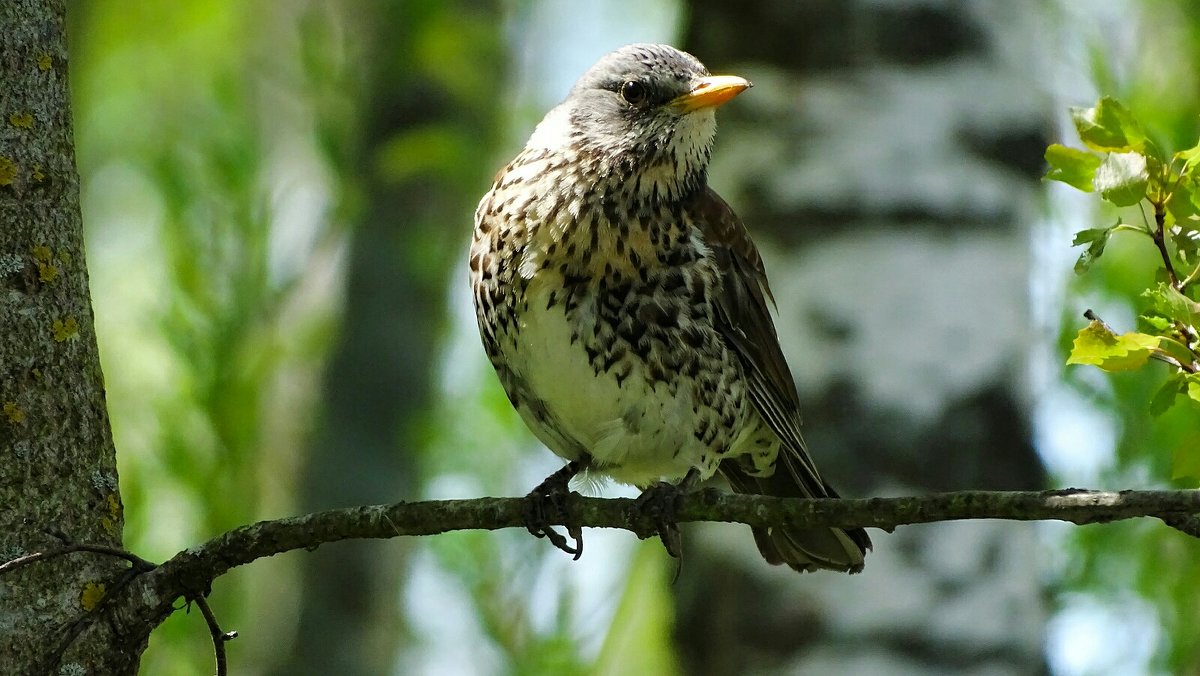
[(58, 475), (888, 166), (378, 386)]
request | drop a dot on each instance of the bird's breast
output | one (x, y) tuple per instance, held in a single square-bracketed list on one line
[(621, 371)]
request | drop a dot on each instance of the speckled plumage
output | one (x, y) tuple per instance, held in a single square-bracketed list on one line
[(623, 304)]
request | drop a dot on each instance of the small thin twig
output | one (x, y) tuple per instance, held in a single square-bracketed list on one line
[(1191, 278), (219, 638), (137, 563), (1160, 241), (1091, 316)]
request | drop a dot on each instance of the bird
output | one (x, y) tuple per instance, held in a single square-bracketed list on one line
[(624, 306)]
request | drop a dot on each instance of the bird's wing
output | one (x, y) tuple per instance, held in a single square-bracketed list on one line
[(745, 321)]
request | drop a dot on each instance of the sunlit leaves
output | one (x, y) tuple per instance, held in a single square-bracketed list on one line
[(1100, 347), (1167, 301), (1108, 127), (1122, 178), (1126, 169), (1075, 167)]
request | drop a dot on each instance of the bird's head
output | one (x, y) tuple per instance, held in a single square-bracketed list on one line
[(643, 115)]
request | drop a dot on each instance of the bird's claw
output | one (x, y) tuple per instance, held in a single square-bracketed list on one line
[(547, 504), (660, 504)]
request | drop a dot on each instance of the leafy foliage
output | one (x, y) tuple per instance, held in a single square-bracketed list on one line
[(1127, 169), (1152, 415)]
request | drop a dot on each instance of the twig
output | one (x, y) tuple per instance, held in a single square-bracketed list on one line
[(1160, 241), (219, 638), (138, 563), (1091, 316)]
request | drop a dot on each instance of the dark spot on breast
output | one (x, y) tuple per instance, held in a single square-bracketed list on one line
[(671, 281), (612, 212), (660, 317), (592, 353), (610, 360), (634, 259), (632, 333), (621, 376)]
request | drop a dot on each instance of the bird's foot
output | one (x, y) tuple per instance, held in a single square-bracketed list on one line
[(660, 503), (548, 503)]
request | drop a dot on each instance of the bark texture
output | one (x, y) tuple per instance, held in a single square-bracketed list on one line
[(58, 476)]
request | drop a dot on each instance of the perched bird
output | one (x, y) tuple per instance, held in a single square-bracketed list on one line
[(624, 305)]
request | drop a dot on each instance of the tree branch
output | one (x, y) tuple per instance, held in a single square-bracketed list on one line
[(198, 566), (151, 596)]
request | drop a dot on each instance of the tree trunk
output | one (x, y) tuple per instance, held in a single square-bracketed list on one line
[(58, 474), (378, 385)]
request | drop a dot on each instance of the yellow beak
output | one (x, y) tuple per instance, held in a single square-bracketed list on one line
[(710, 92)]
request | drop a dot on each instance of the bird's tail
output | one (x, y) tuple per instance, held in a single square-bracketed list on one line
[(803, 549)]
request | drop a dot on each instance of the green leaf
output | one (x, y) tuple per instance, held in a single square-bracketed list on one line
[(1122, 178), (1096, 239), (1155, 322), (1108, 127), (1165, 397), (1098, 346), (1193, 387), (1187, 245), (1181, 204), (1168, 302), (1076, 168), (1191, 159), (1092, 235)]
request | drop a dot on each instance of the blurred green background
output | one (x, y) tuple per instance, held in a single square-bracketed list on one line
[(279, 197)]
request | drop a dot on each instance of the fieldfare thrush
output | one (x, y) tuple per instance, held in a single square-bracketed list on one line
[(624, 305)]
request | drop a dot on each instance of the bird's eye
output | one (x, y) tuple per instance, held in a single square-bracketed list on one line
[(635, 93)]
